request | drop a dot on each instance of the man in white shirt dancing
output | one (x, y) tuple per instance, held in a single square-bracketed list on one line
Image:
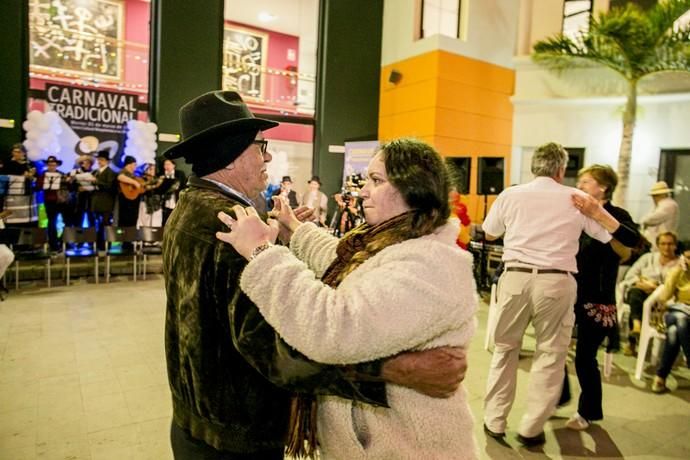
[(541, 222)]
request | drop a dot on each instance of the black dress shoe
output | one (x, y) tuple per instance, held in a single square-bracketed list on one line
[(537, 440), (493, 434)]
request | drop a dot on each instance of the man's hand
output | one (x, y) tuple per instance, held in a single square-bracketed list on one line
[(287, 218), (436, 372), (247, 230)]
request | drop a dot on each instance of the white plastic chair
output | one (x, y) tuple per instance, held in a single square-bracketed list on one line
[(491, 319), (648, 333)]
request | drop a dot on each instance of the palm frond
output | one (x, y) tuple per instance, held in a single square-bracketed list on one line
[(628, 40), (560, 53), (665, 14), (671, 54)]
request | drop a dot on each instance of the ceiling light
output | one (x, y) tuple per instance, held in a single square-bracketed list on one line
[(265, 16)]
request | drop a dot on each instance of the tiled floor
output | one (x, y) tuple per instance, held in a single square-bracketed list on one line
[(82, 376)]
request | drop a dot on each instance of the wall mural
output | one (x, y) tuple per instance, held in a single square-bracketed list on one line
[(78, 36), (244, 59)]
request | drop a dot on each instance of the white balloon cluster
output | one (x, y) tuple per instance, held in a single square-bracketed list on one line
[(42, 132), (141, 141)]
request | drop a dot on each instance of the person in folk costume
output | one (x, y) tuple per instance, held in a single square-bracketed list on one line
[(82, 182), (18, 165), (286, 191), (55, 197), (103, 198), (315, 199), (174, 181), (19, 198), (151, 204), (128, 209)]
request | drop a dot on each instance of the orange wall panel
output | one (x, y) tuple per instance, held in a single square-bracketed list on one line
[(452, 146), (464, 98), (459, 105), (407, 98), (462, 125), (413, 70), (476, 73), (416, 123)]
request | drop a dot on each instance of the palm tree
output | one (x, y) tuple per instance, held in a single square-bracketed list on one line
[(635, 44)]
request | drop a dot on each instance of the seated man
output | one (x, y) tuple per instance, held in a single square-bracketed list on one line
[(643, 278)]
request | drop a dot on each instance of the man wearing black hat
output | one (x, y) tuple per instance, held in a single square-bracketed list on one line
[(54, 187), (128, 207), (220, 352), (103, 198), (286, 191)]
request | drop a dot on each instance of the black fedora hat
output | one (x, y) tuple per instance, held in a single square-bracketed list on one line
[(213, 116), (316, 179), (53, 159), (105, 153)]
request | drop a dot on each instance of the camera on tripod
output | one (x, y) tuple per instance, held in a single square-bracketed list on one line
[(353, 185)]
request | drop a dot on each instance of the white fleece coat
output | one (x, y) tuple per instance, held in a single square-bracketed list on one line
[(414, 295)]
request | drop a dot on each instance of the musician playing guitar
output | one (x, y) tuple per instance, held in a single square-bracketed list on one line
[(129, 202)]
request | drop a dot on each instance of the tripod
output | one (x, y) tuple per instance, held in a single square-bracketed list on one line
[(484, 283)]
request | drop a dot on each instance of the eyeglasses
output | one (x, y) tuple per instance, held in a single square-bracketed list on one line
[(263, 145)]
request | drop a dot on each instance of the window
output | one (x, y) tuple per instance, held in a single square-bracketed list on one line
[(440, 17), (576, 160), (269, 54), (576, 16), (674, 168)]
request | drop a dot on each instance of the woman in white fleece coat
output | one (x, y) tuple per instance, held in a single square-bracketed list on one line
[(398, 283)]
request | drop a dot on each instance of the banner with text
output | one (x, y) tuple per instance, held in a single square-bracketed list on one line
[(92, 112)]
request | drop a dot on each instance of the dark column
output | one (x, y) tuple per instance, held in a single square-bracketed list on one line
[(186, 57), (349, 66), (14, 72)]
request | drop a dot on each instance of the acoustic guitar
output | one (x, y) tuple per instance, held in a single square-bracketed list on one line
[(131, 192)]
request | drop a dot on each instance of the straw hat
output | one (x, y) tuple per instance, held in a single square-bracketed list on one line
[(660, 188)]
